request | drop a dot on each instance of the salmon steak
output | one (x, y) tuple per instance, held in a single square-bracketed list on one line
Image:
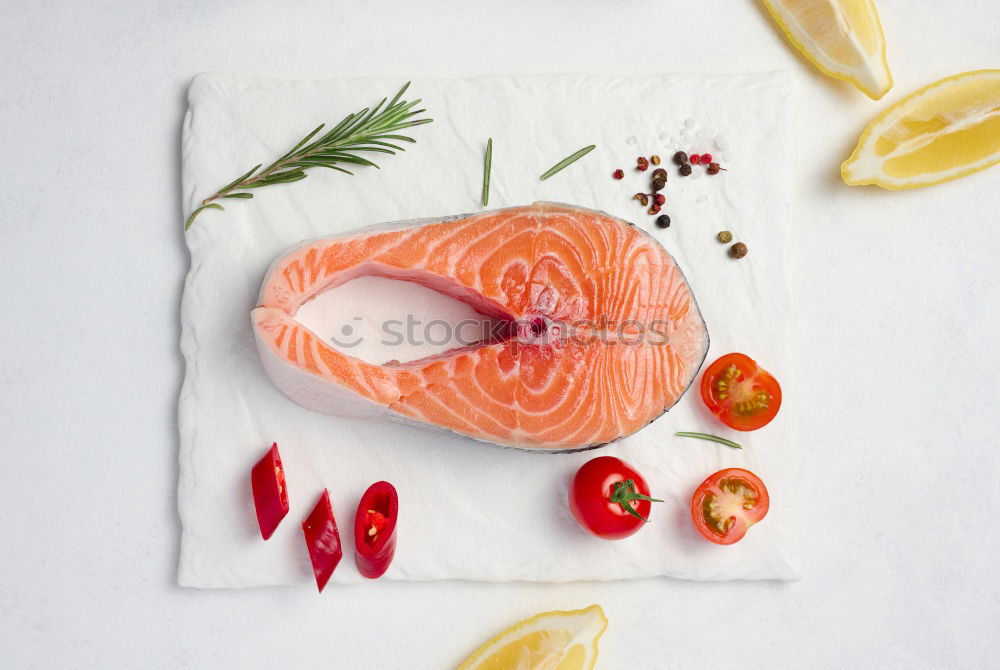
[(599, 331)]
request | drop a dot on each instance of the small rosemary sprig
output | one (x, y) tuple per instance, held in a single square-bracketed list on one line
[(487, 166), (567, 161), (369, 130), (711, 438)]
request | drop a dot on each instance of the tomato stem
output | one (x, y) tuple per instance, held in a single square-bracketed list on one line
[(625, 493)]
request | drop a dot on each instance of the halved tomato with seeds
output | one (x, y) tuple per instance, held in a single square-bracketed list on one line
[(740, 393), (727, 504)]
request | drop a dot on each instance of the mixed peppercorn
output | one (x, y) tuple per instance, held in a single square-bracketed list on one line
[(656, 200), (738, 250), (685, 162)]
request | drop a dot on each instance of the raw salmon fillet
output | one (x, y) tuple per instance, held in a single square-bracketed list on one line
[(600, 331)]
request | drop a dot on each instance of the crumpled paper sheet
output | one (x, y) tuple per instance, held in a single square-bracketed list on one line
[(469, 510)]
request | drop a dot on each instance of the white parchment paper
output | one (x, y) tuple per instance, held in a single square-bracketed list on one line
[(470, 510)]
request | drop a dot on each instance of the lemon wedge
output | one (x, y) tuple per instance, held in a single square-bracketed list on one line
[(546, 641), (843, 38), (943, 131)]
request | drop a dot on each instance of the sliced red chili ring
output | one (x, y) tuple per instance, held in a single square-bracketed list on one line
[(270, 497), (375, 529), (323, 540)]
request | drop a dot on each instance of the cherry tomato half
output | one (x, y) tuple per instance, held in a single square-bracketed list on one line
[(740, 393), (727, 504), (609, 498)]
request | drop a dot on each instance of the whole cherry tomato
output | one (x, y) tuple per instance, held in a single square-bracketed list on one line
[(740, 393), (609, 498), (727, 504)]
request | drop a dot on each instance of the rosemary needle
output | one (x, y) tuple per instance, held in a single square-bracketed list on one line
[(566, 161), (487, 163), (712, 438)]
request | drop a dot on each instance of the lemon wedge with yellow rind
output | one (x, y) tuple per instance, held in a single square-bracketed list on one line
[(843, 38), (547, 641), (943, 131)]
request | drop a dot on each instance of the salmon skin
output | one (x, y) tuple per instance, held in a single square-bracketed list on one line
[(601, 333)]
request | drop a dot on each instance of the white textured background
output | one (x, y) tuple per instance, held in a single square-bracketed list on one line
[(897, 341)]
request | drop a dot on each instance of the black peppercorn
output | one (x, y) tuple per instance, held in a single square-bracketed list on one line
[(685, 169), (680, 158), (663, 221), (738, 250)]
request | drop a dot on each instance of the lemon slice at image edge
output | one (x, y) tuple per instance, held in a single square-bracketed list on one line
[(843, 38), (547, 641), (944, 131)]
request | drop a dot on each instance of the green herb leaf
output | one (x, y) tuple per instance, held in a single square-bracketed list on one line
[(297, 146), (199, 211), (236, 181), (711, 438), (568, 160), (487, 165), (372, 130)]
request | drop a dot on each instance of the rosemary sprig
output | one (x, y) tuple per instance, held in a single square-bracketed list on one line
[(487, 165), (566, 161), (712, 438), (373, 130)]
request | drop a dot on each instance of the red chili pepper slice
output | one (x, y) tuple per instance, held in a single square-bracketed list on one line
[(323, 540), (375, 529), (270, 497)]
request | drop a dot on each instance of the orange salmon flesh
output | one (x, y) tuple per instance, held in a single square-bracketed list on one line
[(601, 331)]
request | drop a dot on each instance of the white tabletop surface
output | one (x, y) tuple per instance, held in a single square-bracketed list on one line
[(897, 349)]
